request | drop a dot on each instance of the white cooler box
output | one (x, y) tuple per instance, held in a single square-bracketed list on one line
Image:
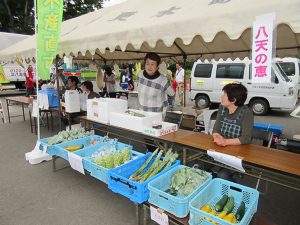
[(135, 123), (72, 101), (99, 109)]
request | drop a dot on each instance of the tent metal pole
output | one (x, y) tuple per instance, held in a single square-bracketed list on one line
[(36, 71)]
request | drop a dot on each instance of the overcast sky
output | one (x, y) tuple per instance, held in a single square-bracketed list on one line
[(112, 2)]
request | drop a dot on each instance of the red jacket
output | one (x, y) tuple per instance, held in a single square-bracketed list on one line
[(174, 84), (29, 80)]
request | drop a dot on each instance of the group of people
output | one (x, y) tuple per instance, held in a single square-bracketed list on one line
[(156, 92), (234, 119)]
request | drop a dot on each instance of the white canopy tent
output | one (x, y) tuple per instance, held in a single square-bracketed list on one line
[(8, 39), (202, 29)]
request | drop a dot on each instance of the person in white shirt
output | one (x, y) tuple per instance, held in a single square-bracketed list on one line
[(180, 81)]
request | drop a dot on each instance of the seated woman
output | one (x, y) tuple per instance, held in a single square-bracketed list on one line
[(88, 93), (234, 121), (87, 89)]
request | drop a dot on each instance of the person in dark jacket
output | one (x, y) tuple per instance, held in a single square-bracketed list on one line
[(87, 89)]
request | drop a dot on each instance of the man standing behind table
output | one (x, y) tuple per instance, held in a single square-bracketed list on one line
[(180, 81), (29, 82)]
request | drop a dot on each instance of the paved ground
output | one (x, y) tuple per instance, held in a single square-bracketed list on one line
[(34, 195)]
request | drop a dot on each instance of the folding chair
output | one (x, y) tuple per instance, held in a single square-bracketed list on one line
[(208, 119), (263, 138)]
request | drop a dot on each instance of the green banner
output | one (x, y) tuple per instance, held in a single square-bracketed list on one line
[(49, 23), (3, 79)]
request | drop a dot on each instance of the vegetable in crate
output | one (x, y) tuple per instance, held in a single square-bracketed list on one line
[(229, 205), (186, 180), (63, 136), (157, 166), (114, 160), (221, 203), (240, 211), (74, 147), (206, 208)]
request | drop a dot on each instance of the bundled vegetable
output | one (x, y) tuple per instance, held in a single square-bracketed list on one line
[(144, 173), (133, 113), (63, 136), (114, 160), (186, 180)]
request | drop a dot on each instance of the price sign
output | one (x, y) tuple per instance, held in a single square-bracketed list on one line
[(76, 162), (159, 216)]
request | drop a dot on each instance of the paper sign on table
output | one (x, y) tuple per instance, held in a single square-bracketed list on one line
[(159, 217), (35, 109), (76, 162), (229, 160)]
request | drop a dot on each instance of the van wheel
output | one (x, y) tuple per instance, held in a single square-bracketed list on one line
[(259, 107), (202, 101)]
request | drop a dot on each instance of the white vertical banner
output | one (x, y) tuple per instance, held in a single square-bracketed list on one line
[(262, 48)]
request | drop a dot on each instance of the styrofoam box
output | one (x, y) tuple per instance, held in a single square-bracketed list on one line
[(72, 101), (99, 109), (166, 129), (135, 123)]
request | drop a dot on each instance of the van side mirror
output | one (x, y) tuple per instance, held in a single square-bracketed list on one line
[(276, 80)]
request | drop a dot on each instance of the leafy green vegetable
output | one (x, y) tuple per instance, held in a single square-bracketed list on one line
[(186, 180)]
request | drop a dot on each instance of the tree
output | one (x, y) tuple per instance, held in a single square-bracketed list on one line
[(17, 16)]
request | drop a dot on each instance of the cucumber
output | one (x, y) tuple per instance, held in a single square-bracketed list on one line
[(240, 211), (229, 205), (221, 203)]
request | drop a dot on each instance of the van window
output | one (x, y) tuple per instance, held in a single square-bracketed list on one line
[(203, 70), (287, 67), (274, 78), (231, 71)]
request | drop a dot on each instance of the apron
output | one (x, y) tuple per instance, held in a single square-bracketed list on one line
[(231, 128)]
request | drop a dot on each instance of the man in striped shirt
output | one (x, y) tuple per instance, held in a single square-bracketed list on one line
[(153, 87)]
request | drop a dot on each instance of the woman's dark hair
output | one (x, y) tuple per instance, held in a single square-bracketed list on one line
[(74, 79), (153, 56), (88, 85), (237, 92), (108, 70)]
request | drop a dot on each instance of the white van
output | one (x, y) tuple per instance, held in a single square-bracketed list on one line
[(291, 67), (209, 77)]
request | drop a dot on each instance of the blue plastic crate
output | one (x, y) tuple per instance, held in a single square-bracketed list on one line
[(138, 192), (178, 206), (97, 171), (275, 128), (102, 173), (213, 192), (52, 97), (60, 151), (50, 148)]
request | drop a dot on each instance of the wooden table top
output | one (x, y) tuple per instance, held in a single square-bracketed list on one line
[(20, 99), (256, 154), (270, 158)]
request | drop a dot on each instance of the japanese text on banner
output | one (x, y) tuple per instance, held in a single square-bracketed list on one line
[(262, 47), (49, 23)]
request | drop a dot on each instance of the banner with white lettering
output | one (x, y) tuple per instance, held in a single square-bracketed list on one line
[(262, 48)]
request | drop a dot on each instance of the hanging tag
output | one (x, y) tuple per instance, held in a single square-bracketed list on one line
[(159, 216), (76, 162)]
